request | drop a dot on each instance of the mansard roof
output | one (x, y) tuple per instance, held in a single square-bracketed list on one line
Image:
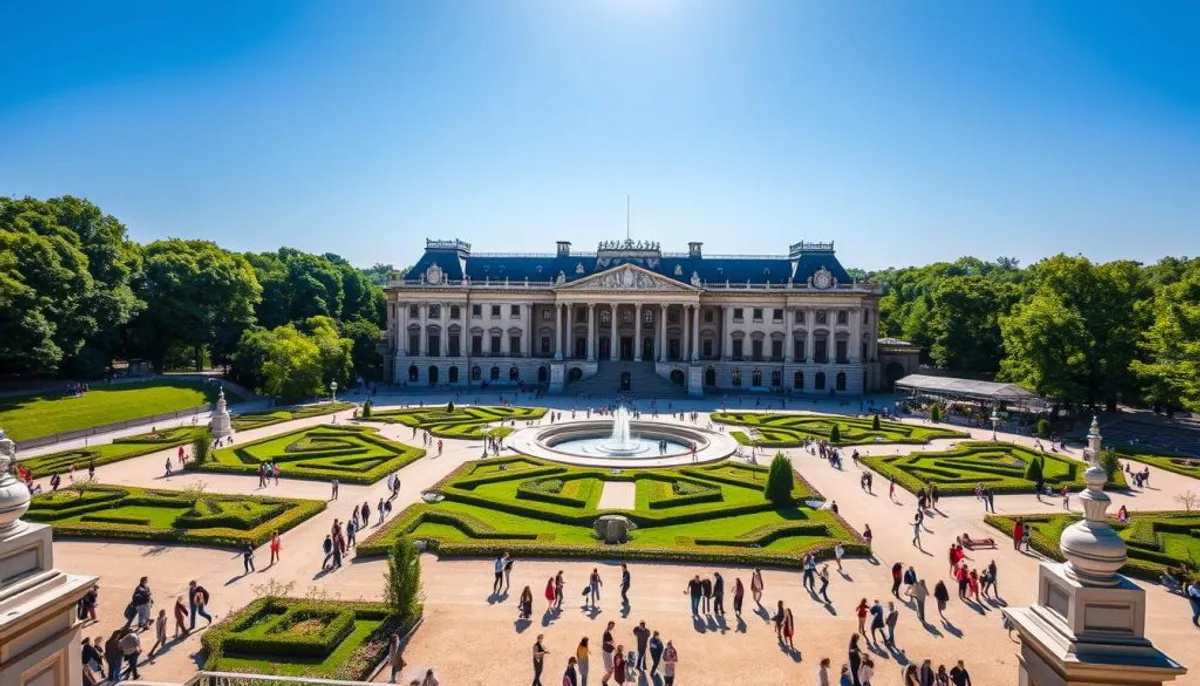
[(456, 260)]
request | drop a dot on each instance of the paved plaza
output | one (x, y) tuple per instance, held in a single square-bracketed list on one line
[(468, 636)]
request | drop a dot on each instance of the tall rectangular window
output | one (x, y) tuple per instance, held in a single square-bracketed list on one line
[(514, 345), (495, 345), (495, 311), (756, 348), (737, 314), (454, 312), (777, 315), (454, 345), (434, 342), (476, 345), (777, 349), (758, 311), (821, 351), (477, 311), (545, 345), (514, 312), (798, 349), (737, 348), (840, 347), (414, 344)]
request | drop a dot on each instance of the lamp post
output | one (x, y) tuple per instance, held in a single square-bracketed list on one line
[(333, 391), (995, 421)]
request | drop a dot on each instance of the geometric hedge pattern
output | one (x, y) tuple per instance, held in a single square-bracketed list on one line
[(997, 465), (1187, 465), (714, 512), (126, 512), (302, 638), (257, 420), (119, 449), (1155, 540), (462, 422), (351, 454), (791, 430)]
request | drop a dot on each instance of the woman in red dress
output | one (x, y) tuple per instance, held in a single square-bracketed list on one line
[(549, 594), (1018, 533)]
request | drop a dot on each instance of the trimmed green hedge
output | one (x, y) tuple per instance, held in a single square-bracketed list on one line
[(532, 508), (998, 465), (307, 638), (465, 422), (257, 420), (350, 454), (1156, 539), (791, 430), (1179, 463), (126, 512), (120, 449)]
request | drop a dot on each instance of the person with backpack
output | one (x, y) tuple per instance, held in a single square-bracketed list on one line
[(140, 602)]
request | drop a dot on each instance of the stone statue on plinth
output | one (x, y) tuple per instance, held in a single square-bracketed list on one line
[(220, 424), (14, 495)]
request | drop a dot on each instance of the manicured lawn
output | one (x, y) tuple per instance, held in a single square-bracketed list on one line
[(1186, 465), (257, 420), (775, 430), (1156, 540), (463, 422), (34, 416), (120, 449), (999, 466), (125, 512), (705, 513), (302, 638), (351, 454)]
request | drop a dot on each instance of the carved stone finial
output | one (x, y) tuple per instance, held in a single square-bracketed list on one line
[(1094, 551), (14, 495)]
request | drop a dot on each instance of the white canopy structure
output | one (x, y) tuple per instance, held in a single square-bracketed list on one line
[(986, 392)]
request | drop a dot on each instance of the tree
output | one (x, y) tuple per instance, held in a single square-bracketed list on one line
[(292, 368), (1111, 463), (202, 447), (1043, 428), (367, 408), (1033, 470), (780, 481), (1188, 499), (875, 423), (1171, 344), (964, 322), (403, 580), (935, 413), (835, 434), (364, 350), (196, 294)]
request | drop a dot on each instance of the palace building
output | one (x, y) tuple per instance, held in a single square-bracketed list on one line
[(630, 317)]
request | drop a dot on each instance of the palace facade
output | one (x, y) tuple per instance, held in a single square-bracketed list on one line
[(632, 317)]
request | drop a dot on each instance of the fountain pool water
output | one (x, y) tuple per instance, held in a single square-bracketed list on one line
[(621, 443)]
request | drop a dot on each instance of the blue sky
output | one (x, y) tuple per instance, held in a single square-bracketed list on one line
[(905, 132)]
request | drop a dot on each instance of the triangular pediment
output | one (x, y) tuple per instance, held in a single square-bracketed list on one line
[(627, 277)]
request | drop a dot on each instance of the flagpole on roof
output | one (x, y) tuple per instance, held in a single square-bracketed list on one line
[(627, 217)]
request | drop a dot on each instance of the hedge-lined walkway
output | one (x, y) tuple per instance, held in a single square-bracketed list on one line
[(789, 430), (1187, 465), (465, 421)]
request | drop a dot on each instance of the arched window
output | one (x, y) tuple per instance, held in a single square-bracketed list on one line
[(735, 377), (452, 375), (819, 381), (776, 379), (433, 375), (494, 375), (756, 378), (543, 374), (710, 377), (413, 374), (476, 373), (514, 374), (840, 381), (798, 380)]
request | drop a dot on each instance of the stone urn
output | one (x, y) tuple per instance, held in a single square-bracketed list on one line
[(14, 495)]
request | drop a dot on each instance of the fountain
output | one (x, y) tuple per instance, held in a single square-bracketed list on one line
[(622, 439)]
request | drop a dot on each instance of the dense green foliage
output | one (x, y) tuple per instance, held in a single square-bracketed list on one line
[(780, 480), (303, 638), (350, 454), (26, 417), (76, 293), (257, 420), (1156, 540), (790, 430), (1187, 465), (1077, 332), (125, 512), (402, 588), (1003, 467), (463, 422), (293, 362), (1111, 463), (1043, 428), (202, 447), (119, 449), (529, 507)]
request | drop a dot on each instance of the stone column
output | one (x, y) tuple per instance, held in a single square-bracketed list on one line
[(695, 333), (855, 351), (424, 329), (661, 340), (789, 343), (591, 342), (686, 320), (570, 331), (810, 316), (613, 347), (402, 325), (559, 314), (727, 335), (637, 332), (443, 332), (528, 331)]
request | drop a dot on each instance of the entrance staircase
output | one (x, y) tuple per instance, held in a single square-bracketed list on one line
[(644, 382)]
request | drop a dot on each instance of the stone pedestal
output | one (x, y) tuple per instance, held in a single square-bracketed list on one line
[(39, 632), (220, 424)]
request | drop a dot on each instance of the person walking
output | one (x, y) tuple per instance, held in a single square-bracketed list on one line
[(142, 600), (351, 534), (823, 672), (897, 578), (739, 593), (569, 677), (327, 547), (113, 656), (861, 610), (670, 660), (508, 566), (539, 660), (916, 541), (778, 618), (559, 585), (550, 594), (854, 654), (656, 652), (625, 580), (607, 646), (693, 591), (706, 589), (824, 574), (582, 655), (877, 623), (593, 589), (200, 599), (866, 670), (718, 593), (919, 593), (893, 616), (810, 573), (160, 632), (181, 616), (248, 558), (756, 586), (959, 676), (789, 629), (276, 546), (394, 659), (333, 488), (620, 665), (364, 513), (1193, 596), (131, 649), (1018, 533), (498, 579), (525, 604), (942, 596), (868, 537), (838, 553), (641, 636)]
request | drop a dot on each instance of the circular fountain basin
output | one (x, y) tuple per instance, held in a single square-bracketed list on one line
[(591, 443)]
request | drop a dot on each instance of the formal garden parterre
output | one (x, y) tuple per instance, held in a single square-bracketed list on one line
[(1002, 467), (716, 512), (88, 510), (257, 420), (32, 416), (1179, 463), (120, 449), (450, 421), (1156, 540), (774, 430), (328, 639), (350, 454)]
